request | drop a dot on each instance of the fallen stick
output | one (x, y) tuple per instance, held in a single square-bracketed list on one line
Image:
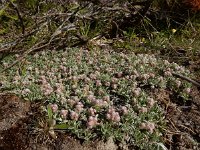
[(25, 54), (187, 79)]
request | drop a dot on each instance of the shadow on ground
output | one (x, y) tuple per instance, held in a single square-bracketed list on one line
[(21, 128)]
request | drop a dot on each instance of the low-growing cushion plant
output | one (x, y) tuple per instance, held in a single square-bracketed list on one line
[(99, 93)]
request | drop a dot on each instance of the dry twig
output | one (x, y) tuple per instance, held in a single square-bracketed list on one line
[(34, 48), (187, 79)]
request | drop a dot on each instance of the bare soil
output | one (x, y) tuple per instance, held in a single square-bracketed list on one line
[(22, 127), (183, 121)]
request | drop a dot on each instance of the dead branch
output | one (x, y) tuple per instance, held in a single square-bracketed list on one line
[(187, 79), (19, 16), (34, 48)]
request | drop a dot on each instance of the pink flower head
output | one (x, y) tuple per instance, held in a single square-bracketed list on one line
[(63, 59), (135, 73), (5, 64), (111, 110), (98, 102), (143, 110), (43, 78), (167, 73), (86, 88), (119, 74), (74, 86), (74, 78), (136, 91), (160, 79), (113, 115), (100, 92), (124, 110), (97, 72), (178, 83), (74, 115), (92, 121), (17, 77), (75, 98), (93, 76), (26, 91), (47, 89), (109, 69), (106, 98), (90, 62), (114, 80), (150, 126), (187, 90), (105, 103), (114, 86), (152, 75), (166, 62), (92, 111), (63, 100), (63, 113), (90, 93), (87, 80), (80, 103), (71, 102), (127, 77), (107, 84), (150, 102), (145, 76), (108, 116), (79, 107), (143, 125), (59, 91), (98, 83), (91, 98), (54, 107), (116, 117)]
